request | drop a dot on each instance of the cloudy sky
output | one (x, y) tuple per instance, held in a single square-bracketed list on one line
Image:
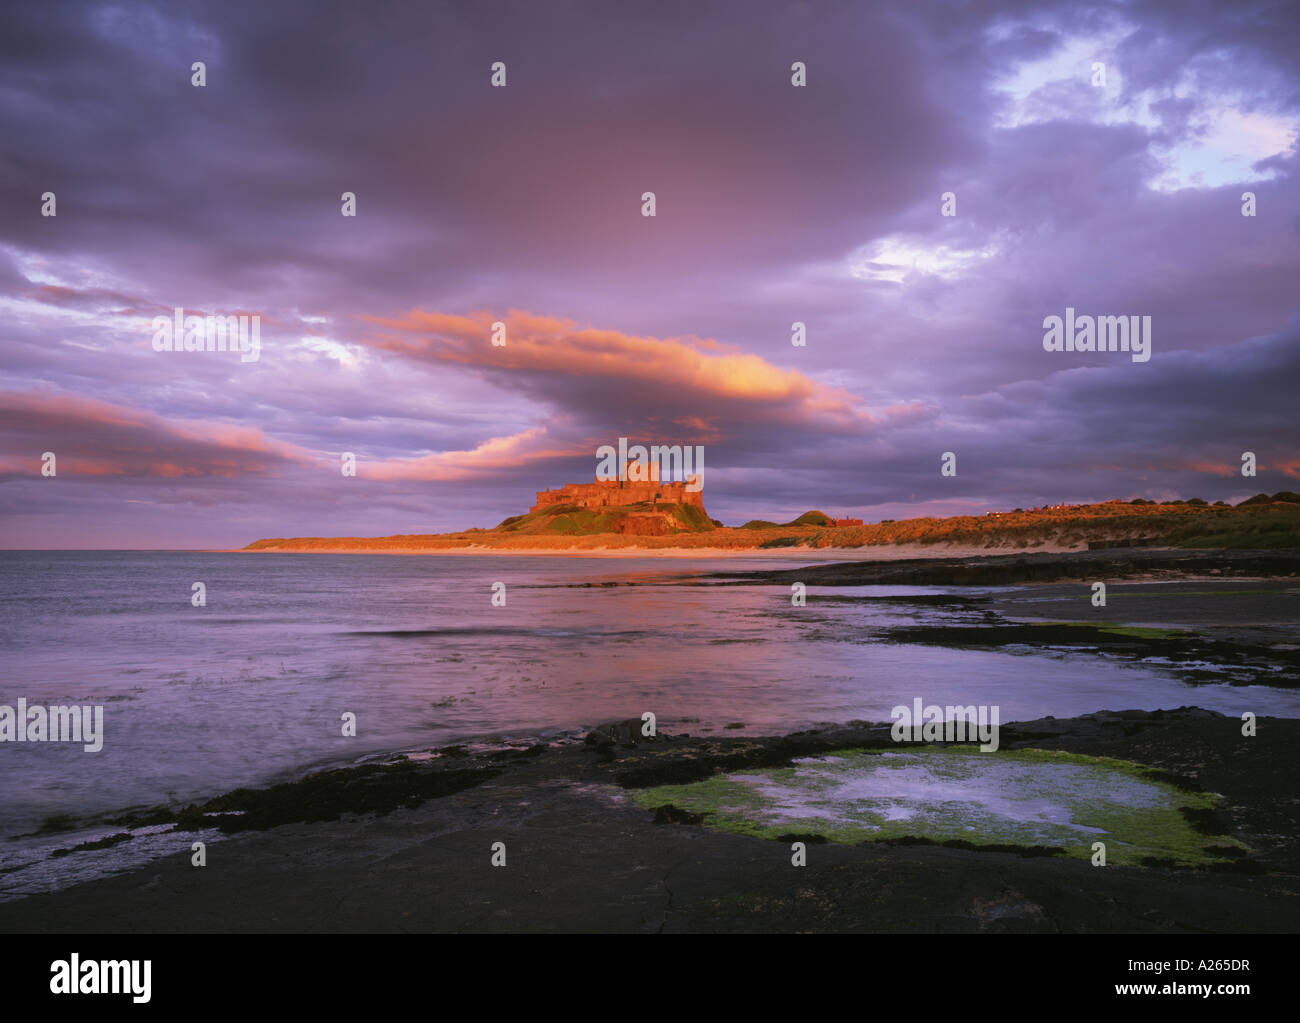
[(774, 204)]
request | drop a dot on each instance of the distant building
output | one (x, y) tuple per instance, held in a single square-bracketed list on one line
[(622, 491), (847, 522)]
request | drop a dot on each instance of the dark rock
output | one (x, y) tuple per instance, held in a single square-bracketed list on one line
[(623, 733), (102, 843), (669, 814)]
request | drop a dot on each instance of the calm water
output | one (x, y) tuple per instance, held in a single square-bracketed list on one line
[(251, 688)]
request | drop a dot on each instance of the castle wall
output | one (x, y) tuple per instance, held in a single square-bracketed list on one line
[(617, 493)]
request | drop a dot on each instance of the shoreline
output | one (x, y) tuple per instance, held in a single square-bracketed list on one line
[(883, 552), (406, 847)]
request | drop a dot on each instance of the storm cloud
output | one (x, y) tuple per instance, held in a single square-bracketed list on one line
[(775, 204)]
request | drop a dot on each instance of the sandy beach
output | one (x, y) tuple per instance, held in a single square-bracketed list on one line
[(882, 552)]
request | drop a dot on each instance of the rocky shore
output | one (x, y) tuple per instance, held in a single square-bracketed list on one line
[(1015, 569), (408, 846)]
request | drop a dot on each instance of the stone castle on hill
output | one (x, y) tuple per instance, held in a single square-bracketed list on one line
[(623, 491)]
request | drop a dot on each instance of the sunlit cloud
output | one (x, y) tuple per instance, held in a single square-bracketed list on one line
[(90, 437), (493, 456), (552, 355)]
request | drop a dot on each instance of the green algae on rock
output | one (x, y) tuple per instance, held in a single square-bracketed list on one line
[(1024, 798)]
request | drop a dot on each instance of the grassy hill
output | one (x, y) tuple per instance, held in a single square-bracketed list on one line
[(627, 520)]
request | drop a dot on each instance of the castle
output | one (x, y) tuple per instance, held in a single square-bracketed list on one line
[(623, 491)]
